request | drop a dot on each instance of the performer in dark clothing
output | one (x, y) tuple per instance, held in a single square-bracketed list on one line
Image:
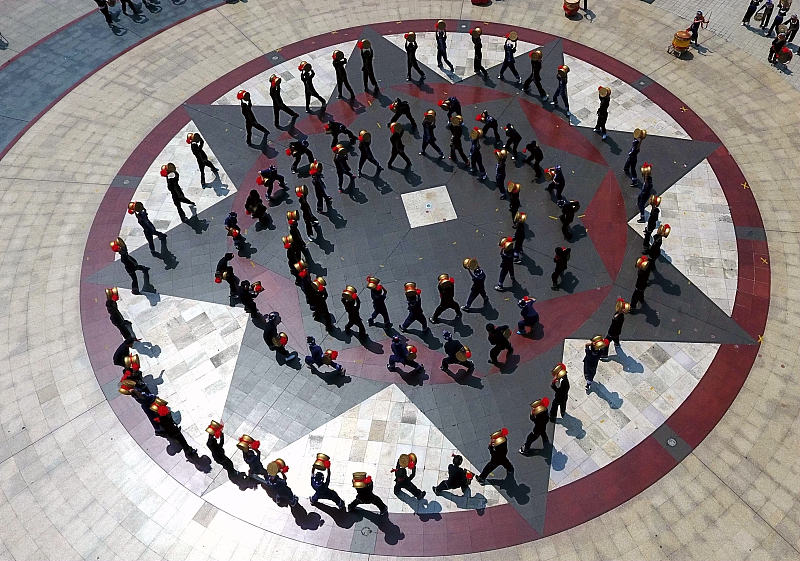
[(509, 48), (147, 226), (642, 277), (456, 477), (250, 121), (339, 65), (561, 259), (513, 138), (617, 320), (446, 287), (297, 149), (397, 144), (441, 46), (428, 135), (277, 101), (530, 317), (560, 385), (535, 77), (478, 287), (365, 149), (475, 156), (400, 353), (401, 108), (378, 295), (568, 210), (131, 266), (403, 475), (455, 353), (411, 56), (320, 190), (320, 482), (477, 64), (365, 493), (414, 304), (604, 94), (307, 77), (536, 156), (366, 65), (539, 417), (499, 341), (268, 177), (456, 128), (352, 305), (335, 128), (117, 319), (170, 172), (342, 166), (498, 455)]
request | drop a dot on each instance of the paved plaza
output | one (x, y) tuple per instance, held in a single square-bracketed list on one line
[(685, 444)]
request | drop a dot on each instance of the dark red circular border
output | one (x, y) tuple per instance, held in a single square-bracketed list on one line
[(500, 526)]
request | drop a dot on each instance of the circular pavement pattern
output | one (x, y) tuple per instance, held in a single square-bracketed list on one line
[(685, 354)]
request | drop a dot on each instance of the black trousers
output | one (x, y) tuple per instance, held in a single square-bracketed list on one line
[(557, 273), (329, 494), (250, 125), (310, 221), (442, 56), (448, 485), (630, 166), (342, 81), (601, 122), (638, 296), (271, 183), (476, 164), (398, 114), (372, 499), (474, 293), (448, 360), (311, 92), (512, 146), (203, 164), (533, 435), (340, 173), (149, 235), (415, 316), (451, 305), (367, 157), (556, 405), (276, 110), (495, 463), (395, 153), (409, 486), (369, 76), (355, 319), (537, 168), (412, 63), (106, 14), (494, 353), (300, 157), (491, 127), (566, 227), (431, 142), (380, 310), (477, 66), (457, 148), (125, 329), (509, 66), (537, 83), (134, 279)]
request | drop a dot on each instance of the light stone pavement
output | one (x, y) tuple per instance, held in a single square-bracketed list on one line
[(75, 485), (702, 240), (635, 391), (369, 437)]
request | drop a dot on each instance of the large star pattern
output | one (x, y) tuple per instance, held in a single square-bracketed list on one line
[(368, 234)]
